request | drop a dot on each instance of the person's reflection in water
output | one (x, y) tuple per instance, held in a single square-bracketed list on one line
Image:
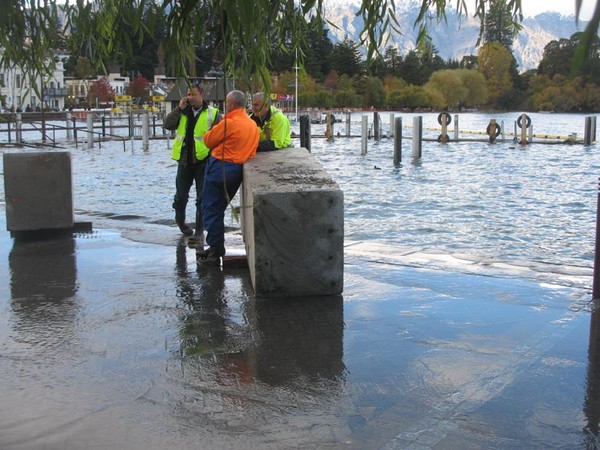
[(43, 288), (591, 406), (203, 324), (225, 331)]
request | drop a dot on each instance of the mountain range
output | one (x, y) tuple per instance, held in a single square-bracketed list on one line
[(457, 36)]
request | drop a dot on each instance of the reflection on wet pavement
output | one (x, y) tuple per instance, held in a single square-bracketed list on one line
[(108, 343)]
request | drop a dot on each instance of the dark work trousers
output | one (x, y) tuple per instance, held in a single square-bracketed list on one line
[(186, 176), (215, 201)]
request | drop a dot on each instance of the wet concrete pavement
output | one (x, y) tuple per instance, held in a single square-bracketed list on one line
[(116, 339)]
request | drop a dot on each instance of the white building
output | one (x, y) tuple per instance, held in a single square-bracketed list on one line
[(78, 88), (18, 89)]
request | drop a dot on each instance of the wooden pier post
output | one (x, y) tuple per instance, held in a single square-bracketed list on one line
[(376, 126), (348, 124), (456, 127), (90, 130), (145, 131), (397, 141), (364, 135), (305, 135), (417, 142), (18, 128)]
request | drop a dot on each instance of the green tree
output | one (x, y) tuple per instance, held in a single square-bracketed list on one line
[(345, 58), (495, 62), (475, 85), (244, 32), (447, 86), (499, 26)]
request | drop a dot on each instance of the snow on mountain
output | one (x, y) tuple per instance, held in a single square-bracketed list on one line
[(457, 37)]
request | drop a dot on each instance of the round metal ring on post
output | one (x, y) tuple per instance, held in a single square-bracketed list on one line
[(527, 121), (496, 131), (448, 117)]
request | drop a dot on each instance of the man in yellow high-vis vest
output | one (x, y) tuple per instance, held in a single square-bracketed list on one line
[(190, 119)]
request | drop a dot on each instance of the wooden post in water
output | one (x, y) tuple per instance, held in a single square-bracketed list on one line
[(502, 130), (329, 126), (523, 129), (305, 132), (397, 141), (392, 125), (444, 122), (596, 279), (145, 131), (530, 134), (376, 126), (90, 130), (492, 129), (364, 135), (348, 124), (18, 126), (587, 134), (417, 142), (111, 122), (593, 128), (67, 126), (456, 127)]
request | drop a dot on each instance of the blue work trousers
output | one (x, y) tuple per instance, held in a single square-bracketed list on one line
[(221, 182)]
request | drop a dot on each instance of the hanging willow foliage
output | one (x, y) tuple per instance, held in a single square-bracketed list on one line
[(245, 31)]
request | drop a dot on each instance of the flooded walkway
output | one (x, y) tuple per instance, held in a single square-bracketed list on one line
[(107, 342)]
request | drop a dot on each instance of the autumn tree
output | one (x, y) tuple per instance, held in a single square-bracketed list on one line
[(101, 91), (139, 87)]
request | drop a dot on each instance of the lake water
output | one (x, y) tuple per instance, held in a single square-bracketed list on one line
[(503, 201)]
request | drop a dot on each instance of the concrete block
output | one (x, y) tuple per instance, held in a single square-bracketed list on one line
[(293, 225), (38, 191)]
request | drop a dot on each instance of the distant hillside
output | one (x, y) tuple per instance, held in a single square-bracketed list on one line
[(456, 37)]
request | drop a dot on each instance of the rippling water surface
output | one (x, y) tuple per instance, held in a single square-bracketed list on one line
[(503, 200)]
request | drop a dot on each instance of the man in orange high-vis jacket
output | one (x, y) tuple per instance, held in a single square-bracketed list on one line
[(233, 141)]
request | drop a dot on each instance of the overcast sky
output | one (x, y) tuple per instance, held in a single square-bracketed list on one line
[(566, 7)]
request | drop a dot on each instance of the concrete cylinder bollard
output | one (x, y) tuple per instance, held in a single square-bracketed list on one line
[(19, 128), (397, 141), (417, 142), (90, 130), (364, 135)]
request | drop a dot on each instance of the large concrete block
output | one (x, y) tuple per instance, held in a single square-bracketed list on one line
[(38, 191), (293, 225)]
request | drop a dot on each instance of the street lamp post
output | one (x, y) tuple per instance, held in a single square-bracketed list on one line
[(296, 95)]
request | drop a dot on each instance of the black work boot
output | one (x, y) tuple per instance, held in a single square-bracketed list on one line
[(198, 237), (180, 220)]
